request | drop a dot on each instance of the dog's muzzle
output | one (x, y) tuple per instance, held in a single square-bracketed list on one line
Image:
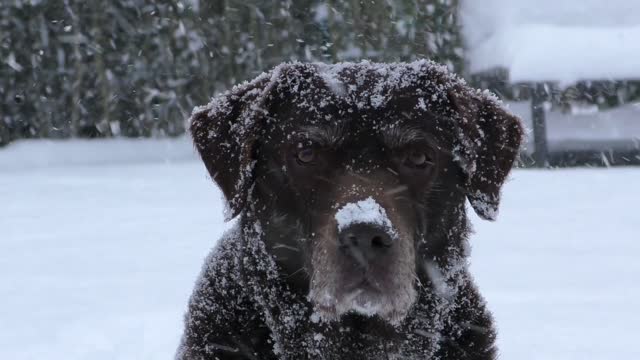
[(365, 233)]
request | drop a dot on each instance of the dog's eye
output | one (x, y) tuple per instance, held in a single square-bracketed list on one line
[(306, 155), (418, 159)]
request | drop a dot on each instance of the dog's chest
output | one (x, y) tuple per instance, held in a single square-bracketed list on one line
[(353, 339)]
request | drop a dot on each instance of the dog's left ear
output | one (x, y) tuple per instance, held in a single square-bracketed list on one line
[(491, 139)]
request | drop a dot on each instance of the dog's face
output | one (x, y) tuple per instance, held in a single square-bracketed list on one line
[(357, 190), (348, 195)]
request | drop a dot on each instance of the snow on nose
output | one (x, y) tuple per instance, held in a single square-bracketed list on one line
[(366, 211)]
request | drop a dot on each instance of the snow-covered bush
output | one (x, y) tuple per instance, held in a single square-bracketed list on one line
[(136, 68)]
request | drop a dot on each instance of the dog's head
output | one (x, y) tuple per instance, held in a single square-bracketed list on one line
[(354, 170)]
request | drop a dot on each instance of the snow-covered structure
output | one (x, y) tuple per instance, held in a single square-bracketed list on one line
[(540, 42), (547, 40)]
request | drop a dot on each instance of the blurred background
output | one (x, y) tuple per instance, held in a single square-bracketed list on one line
[(92, 69), (106, 212)]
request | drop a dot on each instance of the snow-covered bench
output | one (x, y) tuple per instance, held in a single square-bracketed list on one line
[(542, 42)]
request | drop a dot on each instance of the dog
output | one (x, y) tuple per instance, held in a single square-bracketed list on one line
[(349, 183)]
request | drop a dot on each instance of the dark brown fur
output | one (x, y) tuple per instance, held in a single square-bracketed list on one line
[(255, 298)]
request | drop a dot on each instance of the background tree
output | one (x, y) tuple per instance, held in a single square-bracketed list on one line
[(71, 68)]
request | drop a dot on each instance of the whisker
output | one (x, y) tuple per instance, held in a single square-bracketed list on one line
[(284, 246), (297, 271), (363, 178), (325, 179), (417, 278), (397, 189)]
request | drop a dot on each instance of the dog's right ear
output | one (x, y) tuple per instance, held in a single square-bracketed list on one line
[(490, 139), (224, 133)]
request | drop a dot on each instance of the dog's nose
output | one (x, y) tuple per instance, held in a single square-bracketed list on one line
[(364, 242)]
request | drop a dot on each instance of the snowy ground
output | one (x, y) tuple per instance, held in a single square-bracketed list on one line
[(97, 262)]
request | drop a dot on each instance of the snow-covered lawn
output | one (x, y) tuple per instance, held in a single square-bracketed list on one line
[(97, 261)]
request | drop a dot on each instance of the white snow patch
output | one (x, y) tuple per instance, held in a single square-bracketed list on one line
[(377, 100), (11, 61), (367, 308), (438, 279), (38, 154), (544, 40), (330, 75), (366, 211), (99, 261), (321, 13)]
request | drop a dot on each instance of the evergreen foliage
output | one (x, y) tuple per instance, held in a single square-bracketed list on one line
[(72, 68)]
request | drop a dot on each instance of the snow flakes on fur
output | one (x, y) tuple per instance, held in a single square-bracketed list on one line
[(240, 296), (240, 287), (478, 122)]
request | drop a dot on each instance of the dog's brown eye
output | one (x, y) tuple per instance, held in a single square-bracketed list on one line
[(306, 155), (418, 159)]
